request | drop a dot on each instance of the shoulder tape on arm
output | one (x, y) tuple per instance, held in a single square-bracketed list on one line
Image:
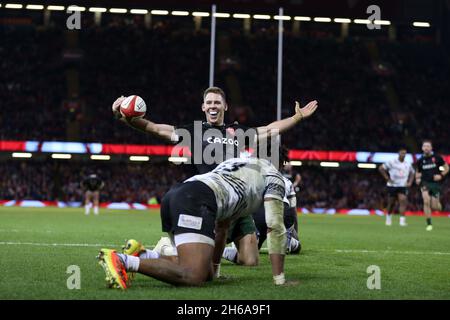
[(276, 238)]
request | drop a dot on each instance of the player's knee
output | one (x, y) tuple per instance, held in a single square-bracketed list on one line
[(194, 278), (436, 206), (249, 261)]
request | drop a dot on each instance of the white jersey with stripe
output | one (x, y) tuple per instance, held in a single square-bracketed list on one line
[(241, 185), (398, 172), (289, 191)]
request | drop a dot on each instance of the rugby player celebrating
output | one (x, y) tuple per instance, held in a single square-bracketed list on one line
[(215, 131), (214, 106)]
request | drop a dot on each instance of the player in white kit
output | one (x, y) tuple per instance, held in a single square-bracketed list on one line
[(293, 246), (197, 214), (399, 176)]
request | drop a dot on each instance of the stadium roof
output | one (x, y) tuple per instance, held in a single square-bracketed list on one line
[(390, 9)]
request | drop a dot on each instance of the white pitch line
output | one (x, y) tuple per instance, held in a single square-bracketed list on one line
[(390, 251), (39, 244), (375, 251), (25, 230)]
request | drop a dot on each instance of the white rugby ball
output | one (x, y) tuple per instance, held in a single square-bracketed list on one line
[(133, 107)]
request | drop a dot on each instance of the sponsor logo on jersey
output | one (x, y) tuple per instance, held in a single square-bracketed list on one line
[(223, 141), (209, 146), (429, 166), (190, 222)]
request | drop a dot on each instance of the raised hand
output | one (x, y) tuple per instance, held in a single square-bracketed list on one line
[(307, 110), (116, 106)]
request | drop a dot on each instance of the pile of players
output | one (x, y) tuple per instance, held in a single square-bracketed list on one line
[(220, 203), (234, 197)]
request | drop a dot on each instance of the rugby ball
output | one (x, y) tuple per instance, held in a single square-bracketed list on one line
[(133, 107)]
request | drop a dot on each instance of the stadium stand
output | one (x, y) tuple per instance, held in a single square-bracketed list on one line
[(320, 188), (351, 84), (369, 80)]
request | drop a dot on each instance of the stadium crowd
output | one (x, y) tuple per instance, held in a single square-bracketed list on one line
[(373, 94), (320, 188), (353, 188), (55, 181), (372, 97)]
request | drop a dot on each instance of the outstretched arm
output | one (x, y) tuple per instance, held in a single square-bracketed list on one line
[(163, 131), (283, 125)]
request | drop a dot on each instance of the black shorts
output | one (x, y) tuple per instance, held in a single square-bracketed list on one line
[(433, 188), (394, 191), (189, 208)]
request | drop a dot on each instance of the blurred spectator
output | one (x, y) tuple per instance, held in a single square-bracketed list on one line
[(58, 181), (147, 183)]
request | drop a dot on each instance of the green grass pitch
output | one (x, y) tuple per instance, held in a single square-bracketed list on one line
[(37, 246)]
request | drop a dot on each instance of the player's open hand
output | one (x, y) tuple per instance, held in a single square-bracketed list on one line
[(307, 110), (116, 106)]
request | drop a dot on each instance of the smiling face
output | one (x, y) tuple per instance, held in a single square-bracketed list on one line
[(214, 108)]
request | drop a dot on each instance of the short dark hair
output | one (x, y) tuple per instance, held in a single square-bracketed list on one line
[(402, 148), (284, 154), (216, 90), (427, 141)]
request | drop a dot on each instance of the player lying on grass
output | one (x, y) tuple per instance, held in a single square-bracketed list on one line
[(249, 257), (197, 214)]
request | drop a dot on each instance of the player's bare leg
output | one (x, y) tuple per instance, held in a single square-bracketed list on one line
[(390, 210), (402, 203), (427, 207), (96, 196), (248, 253), (87, 202), (164, 249), (193, 268), (436, 204)]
